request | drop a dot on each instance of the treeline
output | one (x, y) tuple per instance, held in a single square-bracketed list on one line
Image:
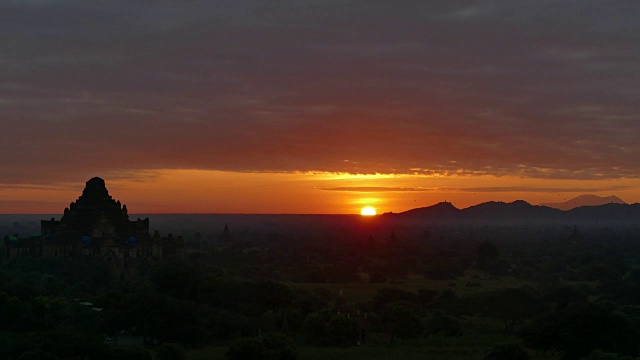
[(578, 297)]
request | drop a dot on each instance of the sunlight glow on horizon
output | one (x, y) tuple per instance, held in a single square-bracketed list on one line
[(208, 191)]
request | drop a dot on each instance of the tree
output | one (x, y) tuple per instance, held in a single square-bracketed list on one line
[(441, 323), (48, 312), (442, 269), (62, 344), (601, 355), (562, 296), (426, 296), (581, 328), (387, 296), (488, 260), (12, 313), (273, 346), (403, 322), (511, 305), (36, 354), (177, 278), (170, 351), (278, 346), (507, 352), (245, 349), (448, 301), (129, 353), (315, 328), (342, 330)]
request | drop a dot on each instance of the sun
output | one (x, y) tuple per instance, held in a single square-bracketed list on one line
[(368, 211)]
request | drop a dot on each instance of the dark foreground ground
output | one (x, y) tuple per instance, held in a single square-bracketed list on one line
[(318, 287)]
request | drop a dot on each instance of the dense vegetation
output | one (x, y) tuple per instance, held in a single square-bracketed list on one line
[(450, 292)]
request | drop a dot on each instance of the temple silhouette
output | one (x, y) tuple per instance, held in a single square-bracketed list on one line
[(95, 225)]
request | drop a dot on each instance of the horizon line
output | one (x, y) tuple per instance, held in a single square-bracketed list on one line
[(332, 214)]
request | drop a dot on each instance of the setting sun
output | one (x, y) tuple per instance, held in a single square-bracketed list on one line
[(368, 211)]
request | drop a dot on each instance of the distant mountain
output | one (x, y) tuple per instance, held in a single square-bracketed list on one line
[(585, 200), (490, 211), (611, 212), (517, 210), (440, 210), (522, 213)]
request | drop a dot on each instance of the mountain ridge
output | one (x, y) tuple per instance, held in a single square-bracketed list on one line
[(585, 200), (521, 211)]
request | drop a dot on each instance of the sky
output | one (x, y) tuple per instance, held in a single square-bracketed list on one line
[(304, 106)]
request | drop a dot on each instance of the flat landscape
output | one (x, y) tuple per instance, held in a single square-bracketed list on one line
[(350, 287)]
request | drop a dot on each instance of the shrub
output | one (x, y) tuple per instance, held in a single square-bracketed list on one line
[(129, 353), (443, 324), (273, 346), (245, 349), (278, 347), (507, 352), (601, 355), (170, 352)]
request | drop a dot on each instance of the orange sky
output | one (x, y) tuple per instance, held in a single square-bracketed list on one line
[(255, 106), (200, 191)]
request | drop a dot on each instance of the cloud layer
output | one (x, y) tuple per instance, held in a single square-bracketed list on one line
[(543, 89), (485, 189)]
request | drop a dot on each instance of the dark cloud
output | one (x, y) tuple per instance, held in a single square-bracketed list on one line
[(532, 88), (490, 189), (376, 189), (542, 189)]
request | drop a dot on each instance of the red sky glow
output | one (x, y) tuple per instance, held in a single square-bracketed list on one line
[(317, 106)]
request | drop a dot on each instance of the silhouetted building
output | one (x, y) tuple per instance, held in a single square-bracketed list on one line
[(95, 225), (575, 237), (226, 238)]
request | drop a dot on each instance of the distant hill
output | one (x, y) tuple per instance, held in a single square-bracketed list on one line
[(442, 210), (611, 212), (490, 211), (522, 213), (585, 200), (517, 210)]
